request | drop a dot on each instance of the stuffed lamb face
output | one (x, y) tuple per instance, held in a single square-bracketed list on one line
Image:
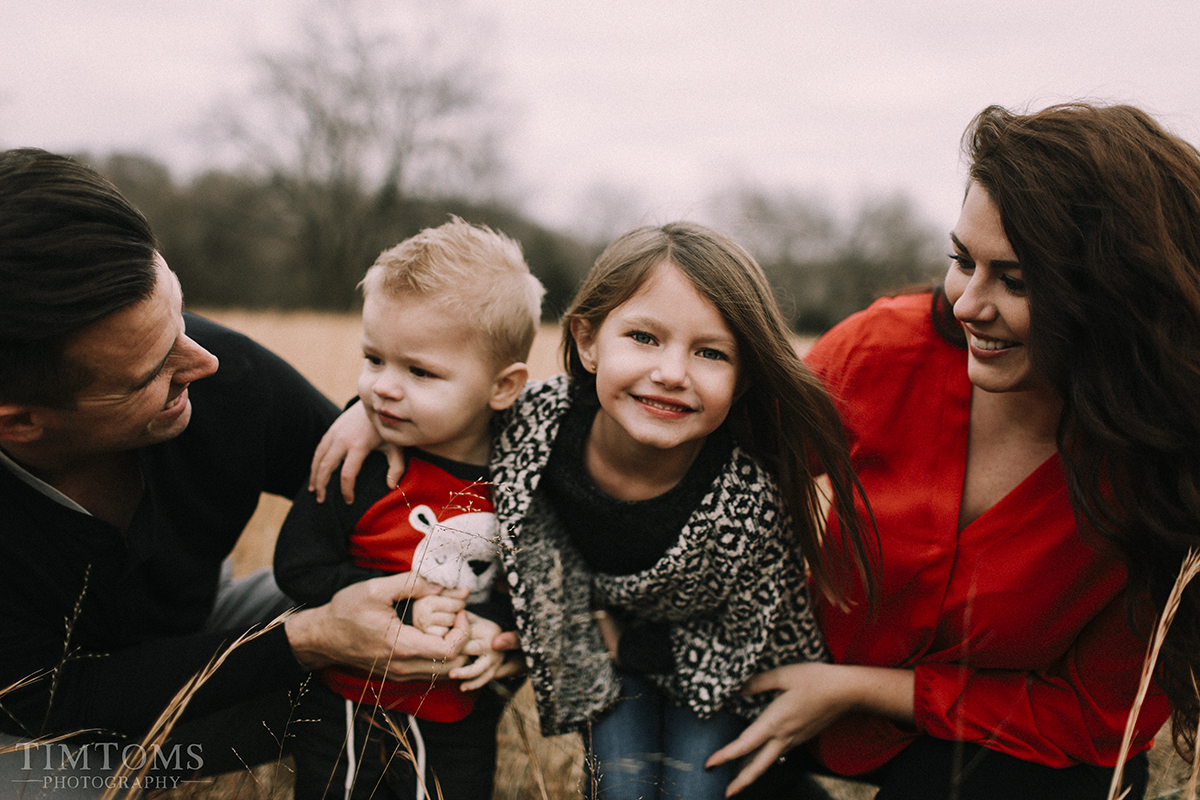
[(458, 552)]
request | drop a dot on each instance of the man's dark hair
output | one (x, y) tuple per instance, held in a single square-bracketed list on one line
[(72, 251)]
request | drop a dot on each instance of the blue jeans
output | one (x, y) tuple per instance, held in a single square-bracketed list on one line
[(646, 747)]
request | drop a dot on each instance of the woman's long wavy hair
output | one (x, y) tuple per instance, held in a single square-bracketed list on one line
[(784, 417), (1102, 208)]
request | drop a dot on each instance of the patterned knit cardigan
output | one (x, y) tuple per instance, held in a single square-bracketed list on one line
[(732, 585)]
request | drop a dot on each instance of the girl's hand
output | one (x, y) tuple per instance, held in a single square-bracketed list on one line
[(487, 661), (348, 441), (610, 631), (813, 695), (436, 613)]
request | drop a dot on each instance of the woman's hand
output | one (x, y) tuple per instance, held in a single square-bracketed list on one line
[(348, 441), (813, 695)]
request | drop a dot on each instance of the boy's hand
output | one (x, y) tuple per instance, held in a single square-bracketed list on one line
[(435, 614), (348, 441), (487, 661)]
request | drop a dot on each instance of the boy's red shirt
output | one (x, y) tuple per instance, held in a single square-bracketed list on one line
[(385, 538)]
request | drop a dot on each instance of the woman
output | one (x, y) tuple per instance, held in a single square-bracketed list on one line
[(1035, 494)]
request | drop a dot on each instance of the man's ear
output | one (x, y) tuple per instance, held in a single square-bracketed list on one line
[(19, 424), (508, 385)]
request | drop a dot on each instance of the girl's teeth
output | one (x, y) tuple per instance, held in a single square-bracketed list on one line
[(664, 406)]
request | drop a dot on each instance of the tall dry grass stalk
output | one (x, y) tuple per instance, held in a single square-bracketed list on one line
[(40, 741), (17, 686), (162, 727), (529, 750), (404, 750), (1187, 571), (1189, 791)]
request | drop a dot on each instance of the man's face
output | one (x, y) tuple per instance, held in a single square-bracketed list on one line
[(141, 362)]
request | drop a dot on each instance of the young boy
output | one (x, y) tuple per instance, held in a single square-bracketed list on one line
[(448, 320)]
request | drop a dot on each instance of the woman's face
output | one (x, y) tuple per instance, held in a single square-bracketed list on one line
[(987, 289)]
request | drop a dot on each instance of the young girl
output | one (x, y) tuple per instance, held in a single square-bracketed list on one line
[(650, 500)]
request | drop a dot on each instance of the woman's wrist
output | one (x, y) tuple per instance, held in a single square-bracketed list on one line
[(885, 691)]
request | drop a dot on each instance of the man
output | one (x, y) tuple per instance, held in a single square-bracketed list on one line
[(135, 441)]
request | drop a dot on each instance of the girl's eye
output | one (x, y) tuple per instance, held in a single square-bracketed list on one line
[(1013, 285), (417, 372), (711, 354), (374, 361), (962, 262), (641, 337)]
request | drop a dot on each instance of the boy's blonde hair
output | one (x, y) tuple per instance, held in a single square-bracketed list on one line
[(476, 274)]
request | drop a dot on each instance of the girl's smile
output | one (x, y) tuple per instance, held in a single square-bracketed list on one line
[(667, 407)]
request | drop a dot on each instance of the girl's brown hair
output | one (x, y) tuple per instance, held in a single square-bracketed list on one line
[(1102, 207), (784, 418)]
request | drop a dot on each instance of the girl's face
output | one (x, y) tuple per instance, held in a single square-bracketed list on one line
[(987, 289), (666, 364)]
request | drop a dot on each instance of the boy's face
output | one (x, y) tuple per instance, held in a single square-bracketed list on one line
[(426, 381)]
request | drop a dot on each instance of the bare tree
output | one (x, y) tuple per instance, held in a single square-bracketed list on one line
[(824, 269), (376, 105), (887, 248), (793, 235)]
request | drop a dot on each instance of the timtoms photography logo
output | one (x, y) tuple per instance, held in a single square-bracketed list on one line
[(105, 765)]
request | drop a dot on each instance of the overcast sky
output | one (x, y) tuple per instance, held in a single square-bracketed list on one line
[(662, 100)]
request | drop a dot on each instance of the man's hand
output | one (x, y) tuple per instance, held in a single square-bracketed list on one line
[(348, 441), (359, 628)]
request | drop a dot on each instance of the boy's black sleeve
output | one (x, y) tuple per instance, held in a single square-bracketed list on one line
[(312, 554)]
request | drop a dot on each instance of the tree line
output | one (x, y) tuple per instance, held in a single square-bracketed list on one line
[(241, 240)]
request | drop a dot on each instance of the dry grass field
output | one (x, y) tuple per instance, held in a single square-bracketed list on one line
[(325, 349)]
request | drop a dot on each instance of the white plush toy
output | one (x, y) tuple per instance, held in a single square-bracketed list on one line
[(458, 552)]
